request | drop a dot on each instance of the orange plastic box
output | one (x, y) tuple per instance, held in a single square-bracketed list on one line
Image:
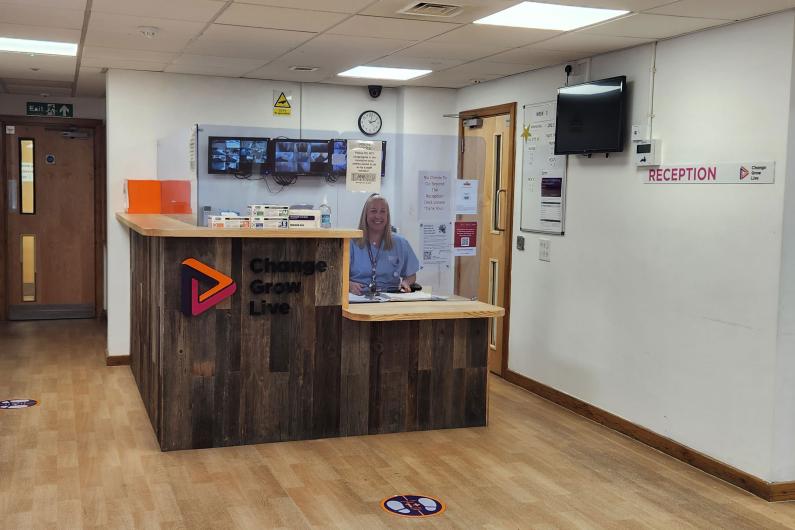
[(143, 196)]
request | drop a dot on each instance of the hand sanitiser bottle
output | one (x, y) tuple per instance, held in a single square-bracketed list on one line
[(325, 216)]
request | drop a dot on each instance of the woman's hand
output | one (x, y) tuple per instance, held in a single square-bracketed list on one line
[(405, 286), (356, 288)]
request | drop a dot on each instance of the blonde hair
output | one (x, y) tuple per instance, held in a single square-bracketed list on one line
[(363, 241)]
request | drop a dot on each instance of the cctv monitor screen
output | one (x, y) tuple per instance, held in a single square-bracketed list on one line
[(590, 117), (237, 156), (339, 158), (301, 157)]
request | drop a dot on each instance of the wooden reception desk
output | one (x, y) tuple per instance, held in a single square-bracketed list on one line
[(291, 362)]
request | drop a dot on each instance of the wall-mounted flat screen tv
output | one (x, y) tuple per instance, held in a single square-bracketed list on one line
[(339, 158), (301, 157), (591, 117), (237, 155)]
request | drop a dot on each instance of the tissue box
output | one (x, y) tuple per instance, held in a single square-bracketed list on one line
[(268, 222), (268, 211), (304, 218)]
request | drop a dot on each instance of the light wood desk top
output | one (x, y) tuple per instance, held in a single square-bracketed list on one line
[(159, 225), (439, 310)]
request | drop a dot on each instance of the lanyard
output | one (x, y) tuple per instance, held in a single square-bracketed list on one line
[(373, 264)]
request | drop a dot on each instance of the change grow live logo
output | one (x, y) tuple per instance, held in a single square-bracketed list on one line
[(195, 303)]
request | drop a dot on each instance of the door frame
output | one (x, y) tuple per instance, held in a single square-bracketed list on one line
[(100, 200), (487, 112)]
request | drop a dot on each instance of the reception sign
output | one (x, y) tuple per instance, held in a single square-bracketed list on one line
[(742, 173)]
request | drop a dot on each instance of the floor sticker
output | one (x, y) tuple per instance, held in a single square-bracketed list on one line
[(17, 403), (413, 505)]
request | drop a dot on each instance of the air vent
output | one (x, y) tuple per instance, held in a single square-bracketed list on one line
[(429, 9), (303, 68)]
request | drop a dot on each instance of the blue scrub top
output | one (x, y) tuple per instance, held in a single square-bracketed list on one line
[(392, 265)]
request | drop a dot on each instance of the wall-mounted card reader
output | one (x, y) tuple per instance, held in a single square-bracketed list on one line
[(647, 153)]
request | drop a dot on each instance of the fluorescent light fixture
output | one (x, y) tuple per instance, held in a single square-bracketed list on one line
[(380, 72), (43, 47), (549, 16)]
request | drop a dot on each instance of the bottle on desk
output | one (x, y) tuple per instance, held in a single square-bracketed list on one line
[(325, 216)]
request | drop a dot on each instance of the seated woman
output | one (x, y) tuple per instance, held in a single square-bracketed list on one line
[(380, 261)]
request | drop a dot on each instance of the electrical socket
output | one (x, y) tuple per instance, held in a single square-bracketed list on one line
[(543, 249)]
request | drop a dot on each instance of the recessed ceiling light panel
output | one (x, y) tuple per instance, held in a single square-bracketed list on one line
[(549, 16), (381, 72), (42, 47)]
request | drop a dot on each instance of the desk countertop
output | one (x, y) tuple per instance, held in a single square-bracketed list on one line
[(421, 310), (159, 225)]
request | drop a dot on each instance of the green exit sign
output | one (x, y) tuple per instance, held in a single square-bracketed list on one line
[(60, 110)]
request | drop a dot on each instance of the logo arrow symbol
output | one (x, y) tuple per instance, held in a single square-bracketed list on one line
[(195, 303)]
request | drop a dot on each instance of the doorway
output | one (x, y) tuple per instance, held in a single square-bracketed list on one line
[(53, 241), (487, 142)]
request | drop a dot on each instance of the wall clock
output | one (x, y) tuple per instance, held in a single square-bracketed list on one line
[(370, 122)]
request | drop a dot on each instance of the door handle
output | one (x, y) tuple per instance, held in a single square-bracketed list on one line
[(500, 227)]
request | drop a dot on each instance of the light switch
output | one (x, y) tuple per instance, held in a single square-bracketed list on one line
[(520, 243), (543, 249)]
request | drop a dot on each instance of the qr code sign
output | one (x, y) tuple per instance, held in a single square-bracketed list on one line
[(426, 254), (464, 241)]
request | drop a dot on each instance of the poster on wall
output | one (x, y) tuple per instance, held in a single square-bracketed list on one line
[(282, 102), (436, 242), (543, 172), (364, 166), (434, 195), (465, 238), (466, 196)]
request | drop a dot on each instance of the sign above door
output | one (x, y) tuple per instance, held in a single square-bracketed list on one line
[(59, 110)]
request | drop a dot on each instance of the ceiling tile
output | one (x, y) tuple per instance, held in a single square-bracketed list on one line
[(419, 63), (279, 18), (121, 31), (391, 28), (462, 52), (725, 9), (338, 52), (486, 69), (473, 10), (496, 36), (337, 6), (218, 66), (248, 43), (533, 57), (280, 70), (62, 4), (20, 31), (38, 90), (652, 26), (31, 15), (91, 82), (189, 10), (49, 67), (450, 79), (588, 43), (97, 57)]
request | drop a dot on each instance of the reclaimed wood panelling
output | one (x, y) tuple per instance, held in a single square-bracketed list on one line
[(227, 377)]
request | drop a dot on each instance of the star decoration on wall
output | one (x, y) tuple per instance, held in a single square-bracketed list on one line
[(525, 132)]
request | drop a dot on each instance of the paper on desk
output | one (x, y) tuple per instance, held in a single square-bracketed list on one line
[(362, 299), (409, 297)]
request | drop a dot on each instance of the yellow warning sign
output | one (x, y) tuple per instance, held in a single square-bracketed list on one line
[(281, 104)]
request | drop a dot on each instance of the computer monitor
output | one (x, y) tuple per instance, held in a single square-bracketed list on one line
[(339, 158), (301, 157), (237, 155)]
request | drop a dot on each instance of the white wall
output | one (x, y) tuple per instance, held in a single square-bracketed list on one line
[(143, 107), (87, 108), (660, 302)]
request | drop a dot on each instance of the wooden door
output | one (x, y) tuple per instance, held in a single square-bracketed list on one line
[(487, 156), (50, 263)]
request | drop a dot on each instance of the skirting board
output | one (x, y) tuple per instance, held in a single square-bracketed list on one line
[(117, 360), (770, 491)]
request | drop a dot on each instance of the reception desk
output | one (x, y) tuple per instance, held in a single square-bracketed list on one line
[(282, 355)]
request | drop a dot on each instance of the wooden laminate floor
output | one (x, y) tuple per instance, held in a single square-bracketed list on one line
[(87, 458)]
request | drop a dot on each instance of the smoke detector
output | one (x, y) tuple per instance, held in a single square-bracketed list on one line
[(431, 9), (304, 68), (150, 32)]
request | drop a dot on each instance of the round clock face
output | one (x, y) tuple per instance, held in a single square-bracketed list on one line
[(370, 122)]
